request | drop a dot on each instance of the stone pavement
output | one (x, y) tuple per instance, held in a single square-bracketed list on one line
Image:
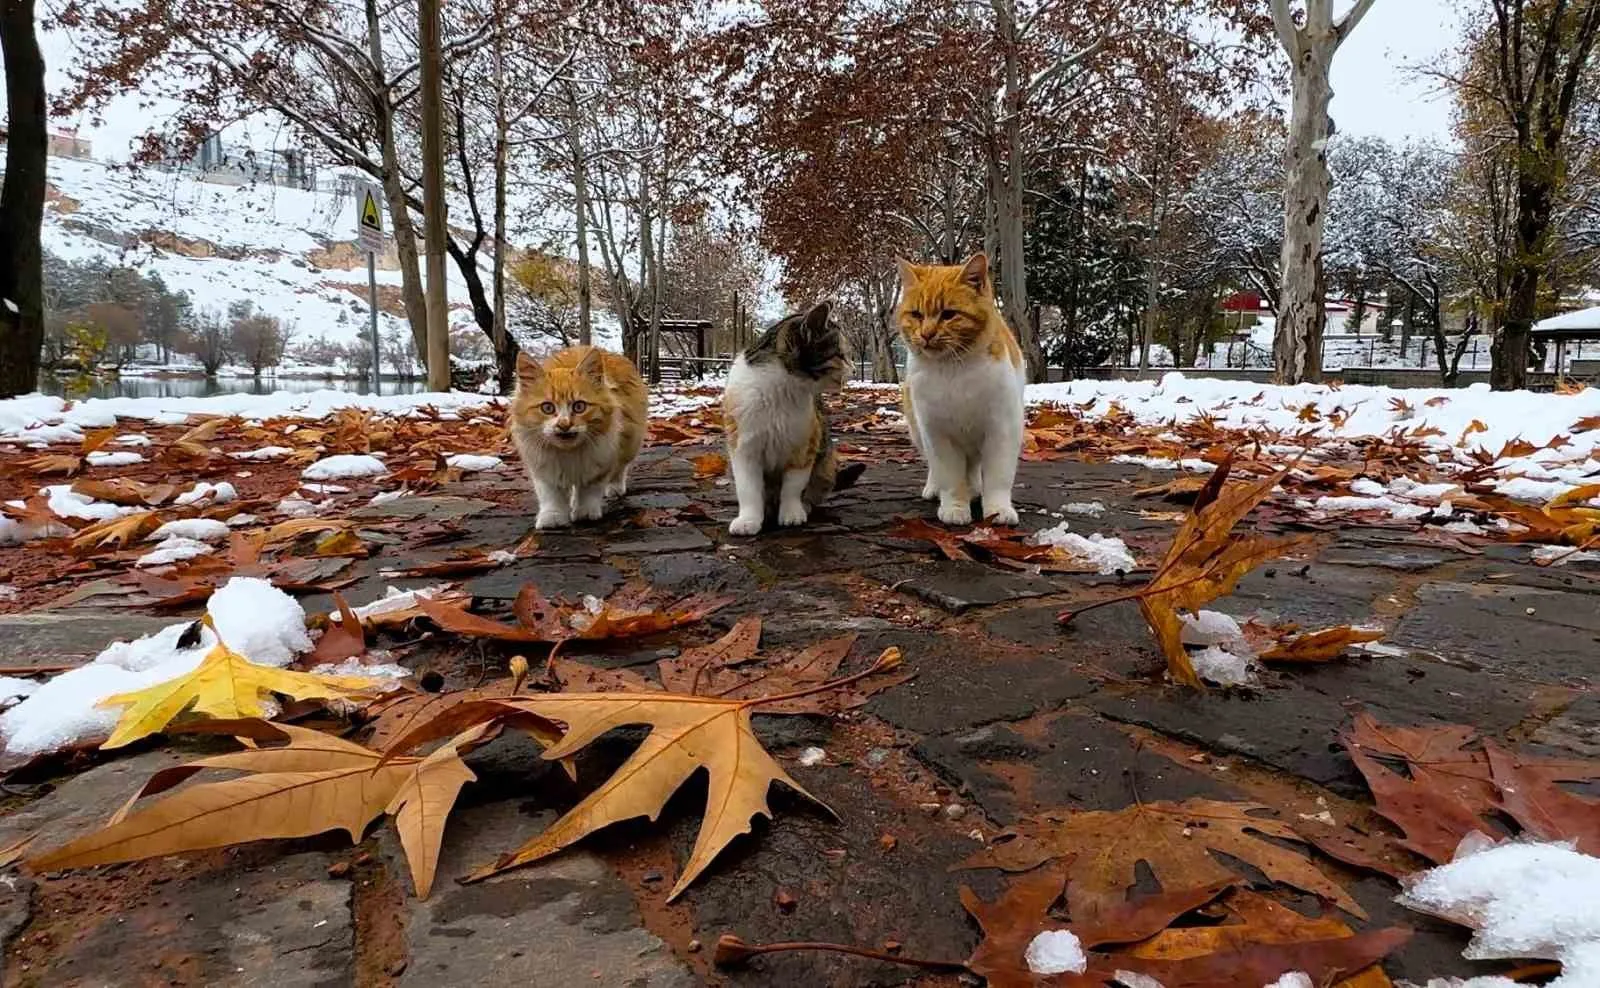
[(1008, 715)]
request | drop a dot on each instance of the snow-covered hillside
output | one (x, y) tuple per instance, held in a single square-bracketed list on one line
[(289, 252)]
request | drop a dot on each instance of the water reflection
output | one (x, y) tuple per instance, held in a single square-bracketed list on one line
[(199, 387)]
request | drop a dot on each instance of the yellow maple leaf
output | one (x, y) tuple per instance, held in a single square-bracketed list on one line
[(225, 686)]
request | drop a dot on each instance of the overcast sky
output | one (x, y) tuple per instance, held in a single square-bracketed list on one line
[(1377, 90)]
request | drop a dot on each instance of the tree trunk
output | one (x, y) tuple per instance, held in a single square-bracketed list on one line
[(1010, 181), (394, 191), (1512, 346), (433, 195), (22, 201), (580, 206), (1297, 349), (505, 357)]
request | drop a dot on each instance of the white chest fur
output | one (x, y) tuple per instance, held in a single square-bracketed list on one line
[(968, 403), (772, 410)]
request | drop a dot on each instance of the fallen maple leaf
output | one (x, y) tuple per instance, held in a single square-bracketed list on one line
[(118, 531), (125, 491), (341, 639), (1320, 646), (1531, 794), (1173, 839), (628, 613), (1205, 561), (65, 464), (687, 734), (314, 783), (710, 465), (225, 686)]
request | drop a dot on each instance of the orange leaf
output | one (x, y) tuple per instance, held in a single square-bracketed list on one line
[(1320, 646), (710, 465)]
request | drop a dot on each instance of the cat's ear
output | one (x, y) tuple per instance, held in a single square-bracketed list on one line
[(528, 369), (815, 324), (908, 273), (591, 367), (975, 273)]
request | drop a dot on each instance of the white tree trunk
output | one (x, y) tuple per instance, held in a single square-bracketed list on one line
[(1297, 346)]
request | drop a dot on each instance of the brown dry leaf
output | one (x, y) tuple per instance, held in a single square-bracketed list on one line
[(125, 491), (1173, 839), (466, 564), (946, 541), (710, 465), (1022, 912), (341, 639), (629, 613), (65, 464), (341, 543), (206, 431), (1320, 646), (313, 784), (1446, 794), (12, 852), (1587, 424), (116, 531), (1258, 943), (1206, 560), (687, 734), (1531, 794), (96, 438), (225, 686), (296, 527)]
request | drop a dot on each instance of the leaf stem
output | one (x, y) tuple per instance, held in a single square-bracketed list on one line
[(737, 952), (888, 660)]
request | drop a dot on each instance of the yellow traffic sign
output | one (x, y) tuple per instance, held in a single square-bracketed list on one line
[(370, 217)]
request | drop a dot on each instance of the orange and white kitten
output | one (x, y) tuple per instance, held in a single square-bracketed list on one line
[(962, 394), (578, 419)]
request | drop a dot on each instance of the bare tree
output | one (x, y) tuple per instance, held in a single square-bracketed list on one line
[(1297, 348), (207, 342), (22, 201), (259, 340)]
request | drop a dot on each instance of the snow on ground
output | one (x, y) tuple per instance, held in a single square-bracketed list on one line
[(1525, 900), (472, 463), (44, 418), (345, 465), (1475, 418), (1109, 555), (253, 617)]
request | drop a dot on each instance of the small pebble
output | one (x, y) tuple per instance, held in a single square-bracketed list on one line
[(954, 811), (650, 877), (929, 808), (812, 756), (877, 756), (694, 946), (1529, 611)]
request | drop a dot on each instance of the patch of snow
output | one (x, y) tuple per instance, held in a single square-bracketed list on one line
[(1525, 900), (345, 465), (394, 600), (1555, 555), (1396, 509), (1086, 509), (1294, 979), (64, 502), (203, 494), (811, 756), (1133, 979), (13, 689), (100, 458), (1056, 952), (1536, 491), (243, 520), (1367, 488), (1108, 555), (502, 557), (264, 453), (472, 463), (1218, 665), (355, 667), (199, 529), (1210, 628), (1165, 463), (174, 550), (384, 497), (259, 621), (325, 488), (299, 507)]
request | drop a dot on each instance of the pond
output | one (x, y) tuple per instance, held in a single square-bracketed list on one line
[(200, 387)]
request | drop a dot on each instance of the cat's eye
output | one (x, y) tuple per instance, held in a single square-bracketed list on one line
[(549, 408), (947, 314), (916, 314), (578, 407)]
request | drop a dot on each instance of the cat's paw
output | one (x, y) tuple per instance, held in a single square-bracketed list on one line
[(955, 513), (930, 492), (617, 490), (590, 510), (1003, 514), (745, 525), (552, 519), (790, 515)]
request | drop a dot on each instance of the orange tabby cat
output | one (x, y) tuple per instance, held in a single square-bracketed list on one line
[(578, 420), (963, 392)]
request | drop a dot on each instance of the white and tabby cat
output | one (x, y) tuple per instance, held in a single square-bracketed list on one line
[(963, 392), (777, 428)]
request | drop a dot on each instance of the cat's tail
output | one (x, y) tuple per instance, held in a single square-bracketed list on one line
[(847, 476)]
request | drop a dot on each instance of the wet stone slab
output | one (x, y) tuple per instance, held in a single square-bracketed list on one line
[(958, 587), (678, 538), (959, 685), (563, 922), (43, 638), (1293, 723), (1311, 595), (1545, 635), (570, 580), (1068, 760), (696, 572), (430, 508)]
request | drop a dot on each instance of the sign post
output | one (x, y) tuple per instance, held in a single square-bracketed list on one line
[(369, 234)]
